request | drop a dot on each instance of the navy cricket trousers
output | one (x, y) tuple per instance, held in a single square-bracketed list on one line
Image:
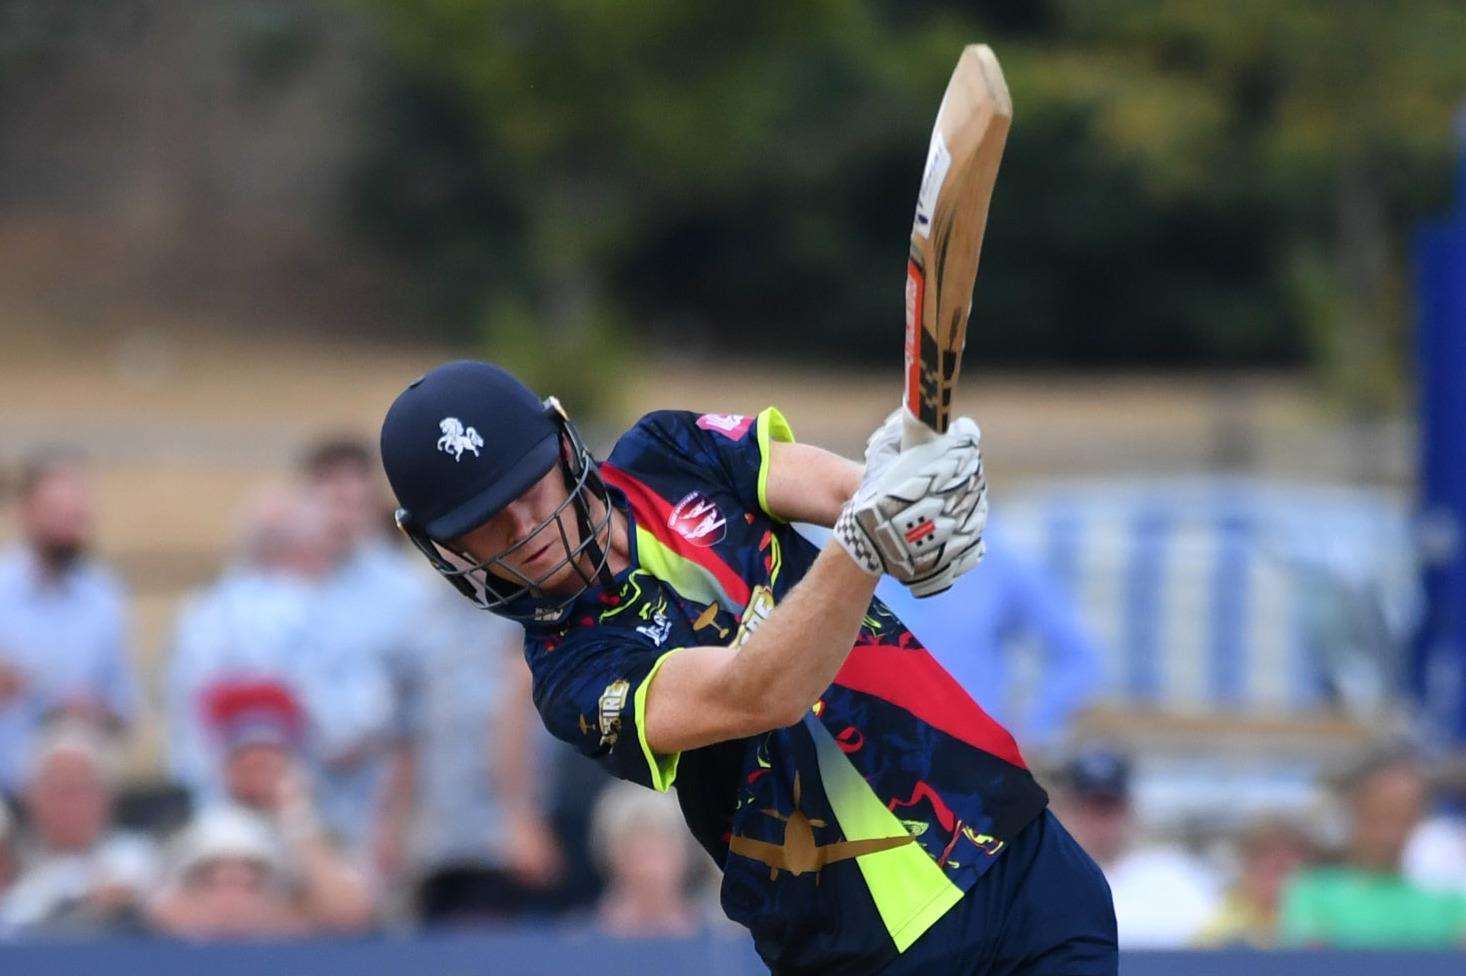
[(1042, 909)]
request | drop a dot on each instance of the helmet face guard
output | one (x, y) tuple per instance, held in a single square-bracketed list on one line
[(493, 584)]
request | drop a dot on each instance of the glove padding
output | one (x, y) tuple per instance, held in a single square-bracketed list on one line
[(919, 517), (884, 445)]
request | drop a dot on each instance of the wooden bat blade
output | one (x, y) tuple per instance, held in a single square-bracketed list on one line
[(947, 233)]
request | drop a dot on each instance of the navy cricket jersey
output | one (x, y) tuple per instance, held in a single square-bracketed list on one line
[(841, 838)]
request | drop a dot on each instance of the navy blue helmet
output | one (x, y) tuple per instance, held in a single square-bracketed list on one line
[(461, 443)]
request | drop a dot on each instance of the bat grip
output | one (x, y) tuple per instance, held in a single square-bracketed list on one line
[(913, 431)]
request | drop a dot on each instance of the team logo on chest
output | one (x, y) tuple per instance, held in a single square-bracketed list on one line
[(698, 520), (457, 438)]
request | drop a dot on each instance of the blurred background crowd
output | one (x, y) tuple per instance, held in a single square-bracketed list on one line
[(348, 746), (1219, 386)]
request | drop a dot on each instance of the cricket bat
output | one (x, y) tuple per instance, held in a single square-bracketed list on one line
[(946, 236)]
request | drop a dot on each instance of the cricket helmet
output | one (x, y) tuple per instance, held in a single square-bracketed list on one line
[(461, 443)]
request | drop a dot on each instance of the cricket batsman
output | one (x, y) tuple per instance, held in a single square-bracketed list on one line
[(867, 815)]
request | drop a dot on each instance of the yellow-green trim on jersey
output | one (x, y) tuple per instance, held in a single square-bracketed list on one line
[(771, 427), (663, 768)]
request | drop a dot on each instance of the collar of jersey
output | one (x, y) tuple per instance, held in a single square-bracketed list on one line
[(623, 505)]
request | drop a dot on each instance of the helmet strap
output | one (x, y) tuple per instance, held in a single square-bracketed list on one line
[(570, 470)]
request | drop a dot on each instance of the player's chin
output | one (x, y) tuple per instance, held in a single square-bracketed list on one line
[(561, 577)]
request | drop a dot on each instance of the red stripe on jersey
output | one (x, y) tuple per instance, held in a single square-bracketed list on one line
[(652, 512), (911, 678)]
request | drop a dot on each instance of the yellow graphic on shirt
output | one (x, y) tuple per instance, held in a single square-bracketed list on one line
[(986, 843), (709, 618), (760, 606), (799, 853)]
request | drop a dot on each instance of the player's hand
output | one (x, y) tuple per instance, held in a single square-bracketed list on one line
[(920, 518), (883, 446)]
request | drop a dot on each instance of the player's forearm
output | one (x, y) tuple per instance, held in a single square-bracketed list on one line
[(792, 657), (704, 695), (810, 484)]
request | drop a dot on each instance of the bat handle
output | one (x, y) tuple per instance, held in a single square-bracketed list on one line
[(913, 431)]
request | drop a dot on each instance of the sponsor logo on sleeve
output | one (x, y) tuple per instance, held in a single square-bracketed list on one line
[(730, 425), (613, 701), (760, 606)]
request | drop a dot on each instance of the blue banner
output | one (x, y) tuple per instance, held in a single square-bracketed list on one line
[(554, 952), (1440, 660)]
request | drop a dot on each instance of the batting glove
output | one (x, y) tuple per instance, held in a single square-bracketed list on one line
[(884, 445), (920, 517)]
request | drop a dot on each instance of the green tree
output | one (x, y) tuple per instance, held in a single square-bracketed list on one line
[(1185, 182), (1332, 116)]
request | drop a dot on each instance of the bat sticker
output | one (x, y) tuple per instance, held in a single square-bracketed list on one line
[(938, 160)]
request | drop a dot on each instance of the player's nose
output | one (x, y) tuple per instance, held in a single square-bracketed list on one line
[(521, 521)]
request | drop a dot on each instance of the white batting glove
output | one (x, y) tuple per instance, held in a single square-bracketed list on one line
[(883, 445), (920, 517)]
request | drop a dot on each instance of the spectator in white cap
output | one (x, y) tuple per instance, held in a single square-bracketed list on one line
[(78, 874), (1435, 856), (227, 880)]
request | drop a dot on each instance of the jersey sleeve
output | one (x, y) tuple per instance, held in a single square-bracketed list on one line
[(590, 689), (734, 447)]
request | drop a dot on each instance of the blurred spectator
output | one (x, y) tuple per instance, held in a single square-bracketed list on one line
[(1435, 857), (8, 864), (78, 875), (250, 623), (1269, 854), (260, 727), (227, 881), (1365, 901), (642, 845), (318, 613), (574, 783), (981, 628), (359, 666), (63, 644), (1163, 896), (342, 472), (482, 845)]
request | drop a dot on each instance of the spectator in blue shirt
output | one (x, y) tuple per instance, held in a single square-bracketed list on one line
[(483, 845), (63, 642), (360, 666), (979, 627), (252, 622)]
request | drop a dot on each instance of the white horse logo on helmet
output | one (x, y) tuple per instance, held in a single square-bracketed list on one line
[(457, 438)]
